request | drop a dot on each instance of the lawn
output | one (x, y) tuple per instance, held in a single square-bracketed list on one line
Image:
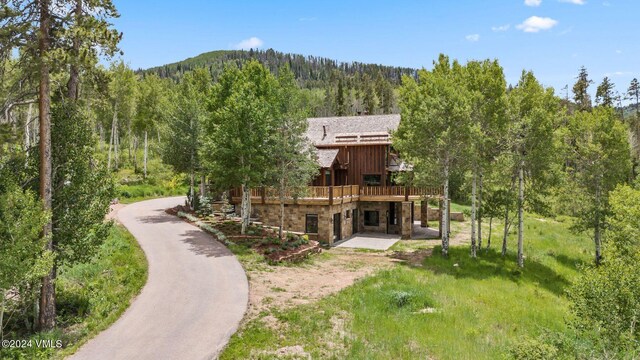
[(455, 308), (92, 296)]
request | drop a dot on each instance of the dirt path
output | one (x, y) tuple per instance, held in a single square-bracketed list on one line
[(282, 286)]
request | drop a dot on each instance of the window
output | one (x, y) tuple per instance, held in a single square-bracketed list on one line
[(327, 177), (311, 224), (347, 214), (371, 218), (372, 180)]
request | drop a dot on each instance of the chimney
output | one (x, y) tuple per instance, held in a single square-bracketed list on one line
[(324, 131)]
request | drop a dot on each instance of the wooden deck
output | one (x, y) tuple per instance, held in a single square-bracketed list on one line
[(329, 195)]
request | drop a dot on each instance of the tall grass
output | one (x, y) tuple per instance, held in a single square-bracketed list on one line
[(448, 308), (92, 296)]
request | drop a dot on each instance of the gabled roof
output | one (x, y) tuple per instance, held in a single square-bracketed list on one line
[(352, 129), (326, 157)]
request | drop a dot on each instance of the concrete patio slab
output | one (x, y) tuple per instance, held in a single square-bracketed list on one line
[(373, 241)]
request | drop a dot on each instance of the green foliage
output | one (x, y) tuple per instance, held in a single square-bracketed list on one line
[(183, 130), (606, 298), (435, 121), (238, 146), (580, 90), (22, 255), (83, 189), (597, 155), (91, 296), (533, 349)]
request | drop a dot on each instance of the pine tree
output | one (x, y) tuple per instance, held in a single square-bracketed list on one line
[(633, 93), (605, 95), (580, 90)]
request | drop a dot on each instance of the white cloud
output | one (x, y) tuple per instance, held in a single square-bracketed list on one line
[(250, 43), (535, 23), (500, 28), (576, 2), (618, 73), (532, 2), (618, 51), (472, 37)]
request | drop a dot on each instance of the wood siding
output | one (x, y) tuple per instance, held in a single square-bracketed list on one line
[(353, 162)]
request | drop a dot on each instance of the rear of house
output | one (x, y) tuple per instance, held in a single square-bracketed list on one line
[(355, 189)]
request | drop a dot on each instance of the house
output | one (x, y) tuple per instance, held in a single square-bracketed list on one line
[(355, 190)]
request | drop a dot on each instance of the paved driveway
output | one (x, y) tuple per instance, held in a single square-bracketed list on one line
[(374, 241), (194, 299)]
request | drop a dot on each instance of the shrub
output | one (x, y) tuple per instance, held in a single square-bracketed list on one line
[(533, 349), (399, 298)]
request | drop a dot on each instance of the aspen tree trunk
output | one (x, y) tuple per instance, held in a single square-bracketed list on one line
[(521, 214), (203, 185), (117, 152), (506, 230), (597, 232), (490, 230), (47, 316), (479, 210), (27, 129), (114, 124), (146, 149), (135, 153), (192, 191), (473, 215), (281, 230), (246, 199), (445, 212), (101, 134), (4, 294)]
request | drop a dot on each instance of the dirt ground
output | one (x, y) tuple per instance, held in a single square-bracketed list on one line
[(287, 286), (113, 210)]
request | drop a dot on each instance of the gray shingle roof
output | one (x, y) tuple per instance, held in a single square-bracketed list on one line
[(326, 157), (352, 129)]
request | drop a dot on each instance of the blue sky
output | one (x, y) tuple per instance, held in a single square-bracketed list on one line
[(551, 37)]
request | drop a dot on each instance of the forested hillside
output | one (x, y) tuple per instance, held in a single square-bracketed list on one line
[(332, 87)]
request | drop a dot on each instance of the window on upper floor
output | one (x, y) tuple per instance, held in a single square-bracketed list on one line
[(372, 179)]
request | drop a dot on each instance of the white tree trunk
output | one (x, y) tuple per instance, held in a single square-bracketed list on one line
[(506, 230), (203, 187), (146, 147), (246, 208), (114, 122), (27, 127), (445, 213), (135, 153), (479, 210), (473, 215), (521, 214), (192, 190), (116, 141), (597, 232)]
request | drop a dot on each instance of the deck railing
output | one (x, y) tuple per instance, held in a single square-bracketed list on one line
[(339, 193)]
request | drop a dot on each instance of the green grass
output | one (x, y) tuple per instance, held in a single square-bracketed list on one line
[(92, 296), (475, 308)]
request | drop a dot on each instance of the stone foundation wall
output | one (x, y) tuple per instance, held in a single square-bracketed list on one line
[(382, 208), (295, 218)]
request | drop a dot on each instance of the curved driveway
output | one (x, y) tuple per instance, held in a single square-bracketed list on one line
[(194, 299)]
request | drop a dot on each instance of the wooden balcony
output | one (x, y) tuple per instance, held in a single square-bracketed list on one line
[(330, 195)]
